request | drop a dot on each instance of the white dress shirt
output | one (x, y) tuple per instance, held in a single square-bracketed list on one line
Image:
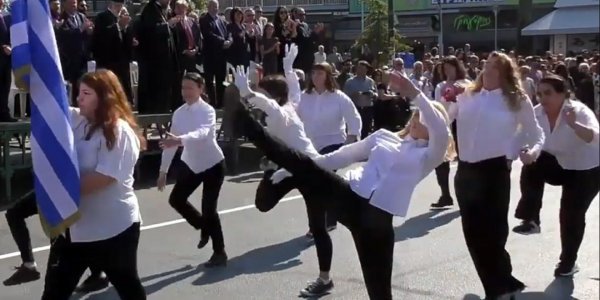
[(320, 57), (487, 128), (393, 166), (111, 210), (284, 123), (327, 116), (571, 152), (196, 125)]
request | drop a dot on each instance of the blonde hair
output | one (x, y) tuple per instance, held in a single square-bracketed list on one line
[(439, 107), (509, 81)]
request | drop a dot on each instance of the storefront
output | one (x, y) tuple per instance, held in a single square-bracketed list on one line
[(572, 26)]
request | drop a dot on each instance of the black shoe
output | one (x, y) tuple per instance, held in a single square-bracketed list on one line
[(203, 240), (92, 284), (443, 203), (565, 270), (22, 275), (527, 227), (218, 259), (317, 288)]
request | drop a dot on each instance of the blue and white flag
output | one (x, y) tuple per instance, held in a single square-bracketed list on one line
[(37, 68)]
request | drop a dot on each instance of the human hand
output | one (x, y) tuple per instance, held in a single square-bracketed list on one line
[(291, 52), (241, 81)]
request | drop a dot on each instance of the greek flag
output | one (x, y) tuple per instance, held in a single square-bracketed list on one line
[(37, 68)]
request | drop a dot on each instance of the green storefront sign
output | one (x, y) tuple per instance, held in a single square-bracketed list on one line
[(474, 22), (408, 5)]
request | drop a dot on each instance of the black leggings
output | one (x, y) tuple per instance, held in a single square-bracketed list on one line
[(371, 227), (117, 256), (15, 217), (442, 172)]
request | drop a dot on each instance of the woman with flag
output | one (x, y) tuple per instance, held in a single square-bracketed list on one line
[(107, 233)]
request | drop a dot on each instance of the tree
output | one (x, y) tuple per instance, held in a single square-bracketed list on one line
[(199, 5), (376, 35)]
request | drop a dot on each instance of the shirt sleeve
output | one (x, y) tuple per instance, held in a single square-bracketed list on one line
[(531, 130), (586, 117), (168, 154), (119, 162), (351, 115), (439, 133), (294, 92), (347, 155), (268, 106), (206, 121)]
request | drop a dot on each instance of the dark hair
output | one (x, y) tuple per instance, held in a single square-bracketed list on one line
[(561, 70), (276, 20), (233, 12), (557, 83), (265, 29), (461, 73), (330, 82), (195, 77), (276, 86)]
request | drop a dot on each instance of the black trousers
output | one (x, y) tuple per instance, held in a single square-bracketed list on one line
[(5, 81), (579, 188), (442, 172), (117, 256), (208, 221), (483, 194), (214, 74), (15, 217), (370, 226), (366, 115), (319, 218)]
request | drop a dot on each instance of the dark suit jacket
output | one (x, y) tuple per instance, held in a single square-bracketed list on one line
[(72, 46), (4, 40), (186, 62), (306, 41), (238, 54), (214, 32)]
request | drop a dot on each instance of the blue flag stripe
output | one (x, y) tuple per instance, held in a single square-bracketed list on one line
[(19, 61), (68, 174), (45, 203)]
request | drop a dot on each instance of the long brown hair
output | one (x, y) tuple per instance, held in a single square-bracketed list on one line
[(509, 80), (330, 82), (112, 106)]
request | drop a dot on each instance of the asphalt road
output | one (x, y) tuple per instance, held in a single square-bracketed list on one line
[(271, 259)]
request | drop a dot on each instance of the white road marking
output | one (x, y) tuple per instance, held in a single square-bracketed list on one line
[(159, 225)]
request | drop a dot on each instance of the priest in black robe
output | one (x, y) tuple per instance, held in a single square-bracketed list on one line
[(157, 59)]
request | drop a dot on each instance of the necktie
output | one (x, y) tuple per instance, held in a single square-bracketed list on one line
[(188, 32)]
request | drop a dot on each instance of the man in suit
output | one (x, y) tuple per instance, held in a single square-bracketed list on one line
[(112, 43), (72, 37), (306, 41), (5, 65), (188, 39), (216, 39), (157, 59)]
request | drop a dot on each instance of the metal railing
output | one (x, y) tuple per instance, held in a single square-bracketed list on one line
[(276, 3)]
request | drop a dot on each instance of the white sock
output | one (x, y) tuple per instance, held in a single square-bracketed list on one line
[(30, 265)]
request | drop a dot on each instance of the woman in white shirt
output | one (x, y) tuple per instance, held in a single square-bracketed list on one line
[(108, 230), (283, 122), (570, 158), (193, 128), (329, 116), (453, 72), (488, 117), (367, 197)]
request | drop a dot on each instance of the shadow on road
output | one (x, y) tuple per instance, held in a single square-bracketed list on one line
[(421, 225), (559, 289)]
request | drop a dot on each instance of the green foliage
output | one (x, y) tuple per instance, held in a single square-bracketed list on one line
[(199, 5), (376, 35)]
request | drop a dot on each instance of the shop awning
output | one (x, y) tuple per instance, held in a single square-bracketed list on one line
[(568, 20)]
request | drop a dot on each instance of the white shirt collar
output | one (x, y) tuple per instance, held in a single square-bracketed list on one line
[(193, 106), (497, 91)]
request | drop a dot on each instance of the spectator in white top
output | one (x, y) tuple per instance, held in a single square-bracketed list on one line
[(488, 117), (419, 79), (453, 72), (320, 55), (368, 196), (570, 158), (193, 128), (108, 231), (528, 84)]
